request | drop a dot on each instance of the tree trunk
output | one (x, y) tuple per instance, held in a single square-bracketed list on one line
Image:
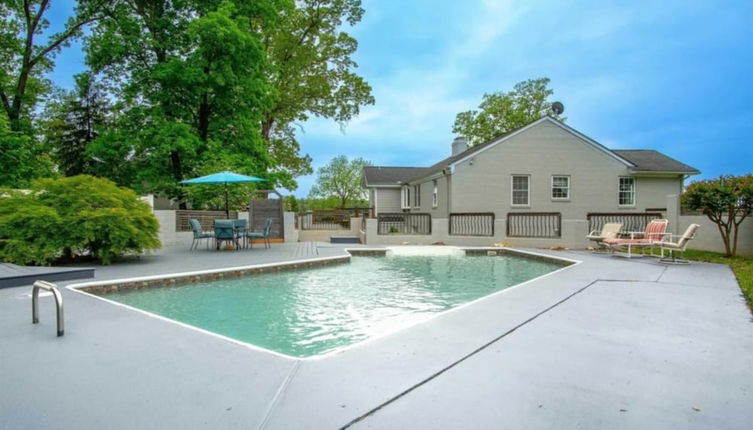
[(266, 128), (204, 112), (177, 173)]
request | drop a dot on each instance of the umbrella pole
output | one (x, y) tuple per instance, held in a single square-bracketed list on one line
[(227, 209)]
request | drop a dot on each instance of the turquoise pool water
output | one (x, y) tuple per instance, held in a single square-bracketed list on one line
[(313, 311)]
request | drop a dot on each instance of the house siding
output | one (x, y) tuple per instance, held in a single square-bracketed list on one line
[(387, 200), (427, 189), (483, 182)]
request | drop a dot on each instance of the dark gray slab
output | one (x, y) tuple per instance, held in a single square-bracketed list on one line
[(12, 275)]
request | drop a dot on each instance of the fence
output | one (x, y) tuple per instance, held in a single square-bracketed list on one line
[(472, 224), (324, 220), (404, 223), (206, 218), (534, 224), (630, 221)]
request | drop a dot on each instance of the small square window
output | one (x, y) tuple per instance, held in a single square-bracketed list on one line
[(560, 187)]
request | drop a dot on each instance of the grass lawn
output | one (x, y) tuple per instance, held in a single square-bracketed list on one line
[(742, 266)]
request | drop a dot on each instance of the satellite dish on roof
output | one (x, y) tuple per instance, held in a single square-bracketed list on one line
[(558, 108)]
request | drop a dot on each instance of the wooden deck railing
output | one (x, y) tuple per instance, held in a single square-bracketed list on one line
[(404, 223), (534, 224), (324, 220), (472, 224), (630, 221), (206, 218)]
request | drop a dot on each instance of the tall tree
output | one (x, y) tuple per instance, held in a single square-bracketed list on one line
[(341, 178), (726, 201), (192, 86), (501, 112), (311, 71), (24, 58), (16, 157), (74, 122)]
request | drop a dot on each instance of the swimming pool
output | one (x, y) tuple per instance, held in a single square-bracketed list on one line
[(303, 313)]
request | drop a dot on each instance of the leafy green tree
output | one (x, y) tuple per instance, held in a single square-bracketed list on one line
[(291, 204), (16, 156), (24, 58), (74, 123), (726, 201), (501, 112), (311, 71), (29, 230), (68, 217), (190, 77), (341, 178)]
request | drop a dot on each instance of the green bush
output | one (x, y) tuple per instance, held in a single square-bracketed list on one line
[(79, 215)]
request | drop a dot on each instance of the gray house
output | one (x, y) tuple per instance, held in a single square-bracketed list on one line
[(543, 180)]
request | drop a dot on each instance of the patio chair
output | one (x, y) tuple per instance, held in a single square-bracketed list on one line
[(655, 231), (263, 234), (224, 231), (610, 230), (666, 244), (199, 234), (241, 228)]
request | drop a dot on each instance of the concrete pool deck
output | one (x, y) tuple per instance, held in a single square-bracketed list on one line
[(607, 343)]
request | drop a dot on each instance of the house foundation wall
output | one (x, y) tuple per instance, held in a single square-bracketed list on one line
[(573, 233)]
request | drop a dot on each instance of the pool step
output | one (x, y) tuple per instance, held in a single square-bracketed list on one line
[(344, 239)]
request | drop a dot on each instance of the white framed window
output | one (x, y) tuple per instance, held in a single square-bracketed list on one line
[(626, 191), (521, 190), (417, 195), (405, 198), (435, 195), (560, 187)]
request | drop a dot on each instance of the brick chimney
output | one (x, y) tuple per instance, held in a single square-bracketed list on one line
[(459, 145)]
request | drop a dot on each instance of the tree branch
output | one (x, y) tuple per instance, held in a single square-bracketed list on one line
[(40, 12), (60, 40), (6, 102)]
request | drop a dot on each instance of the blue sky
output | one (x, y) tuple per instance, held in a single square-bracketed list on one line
[(675, 76)]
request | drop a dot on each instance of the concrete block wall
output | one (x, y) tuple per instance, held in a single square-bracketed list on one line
[(708, 237), (167, 233), (290, 230)]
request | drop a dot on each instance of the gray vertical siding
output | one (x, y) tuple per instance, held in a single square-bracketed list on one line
[(388, 200), (483, 183)]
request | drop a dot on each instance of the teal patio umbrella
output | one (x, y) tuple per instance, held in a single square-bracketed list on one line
[(223, 178)]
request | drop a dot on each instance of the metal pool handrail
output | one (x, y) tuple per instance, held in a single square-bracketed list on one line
[(44, 285)]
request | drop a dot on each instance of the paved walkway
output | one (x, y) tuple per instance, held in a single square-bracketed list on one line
[(607, 343)]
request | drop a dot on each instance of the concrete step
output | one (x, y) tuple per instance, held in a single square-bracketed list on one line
[(344, 239)]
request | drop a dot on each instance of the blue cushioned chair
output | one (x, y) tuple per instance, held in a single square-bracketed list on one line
[(199, 234), (224, 231), (263, 234)]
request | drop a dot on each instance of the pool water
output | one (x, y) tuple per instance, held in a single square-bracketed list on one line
[(309, 312)]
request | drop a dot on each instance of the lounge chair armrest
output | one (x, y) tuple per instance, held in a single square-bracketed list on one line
[(633, 234), (667, 237)]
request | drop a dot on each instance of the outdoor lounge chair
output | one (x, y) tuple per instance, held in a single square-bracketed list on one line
[(199, 234), (655, 231), (610, 230), (263, 234), (666, 244), (224, 231)]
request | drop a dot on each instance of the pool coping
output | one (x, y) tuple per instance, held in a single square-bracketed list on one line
[(171, 279)]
